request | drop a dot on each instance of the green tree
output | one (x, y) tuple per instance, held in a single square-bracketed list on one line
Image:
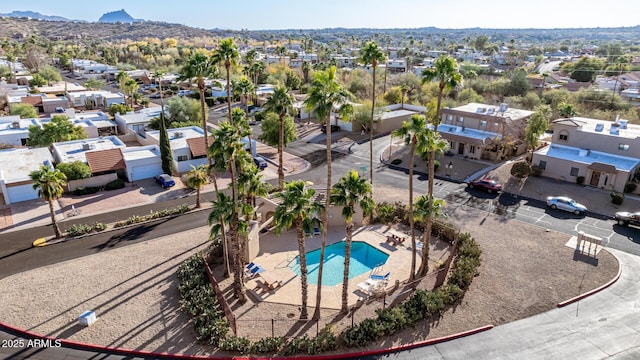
[(298, 207), (351, 191), (121, 109), (94, 84), (227, 54), (24, 110), (199, 66), (244, 87), (427, 208), (37, 81), (131, 86), (75, 170), (280, 102), (50, 185), (60, 128), (183, 110), (566, 110), (196, 179), (536, 126), (585, 69), (166, 155), (519, 84), (413, 132), (325, 92), (50, 74), (251, 185), (220, 217), (371, 54), (445, 72)]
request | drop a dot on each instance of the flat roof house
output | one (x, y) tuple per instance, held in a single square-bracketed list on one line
[(95, 99), (479, 130), (187, 145), (15, 131), (603, 154), (136, 123), (15, 167)]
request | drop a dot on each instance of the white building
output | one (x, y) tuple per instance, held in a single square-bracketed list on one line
[(142, 162), (187, 145), (15, 167), (15, 131), (97, 98), (136, 123), (69, 151)]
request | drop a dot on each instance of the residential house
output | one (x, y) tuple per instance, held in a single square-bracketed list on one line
[(345, 61), (142, 162), (15, 167), (136, 123), (14, 131), (603, 154), (187, 145), (93, 99), (481, 131)]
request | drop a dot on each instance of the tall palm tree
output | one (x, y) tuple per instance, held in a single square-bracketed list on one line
[(280, 102), (131, 85), (371, 54), (220, 216), (251, 185), (445, 70), (427, 208), (412, 131), (298, 208), (306, 67), (324, 93), (244, 87), (349, 192), (199, 66), (227, 54), (197, 177), (50, 185)]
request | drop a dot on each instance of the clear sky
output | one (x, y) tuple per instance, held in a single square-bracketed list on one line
[(317, 14)]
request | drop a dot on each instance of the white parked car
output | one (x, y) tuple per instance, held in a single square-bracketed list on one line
[(566, 204)]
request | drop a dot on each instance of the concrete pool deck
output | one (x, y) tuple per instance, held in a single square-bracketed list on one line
[(277, 252)]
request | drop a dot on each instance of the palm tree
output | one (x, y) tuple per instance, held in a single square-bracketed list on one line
[(199, 66), (121, 78), (132, 86), (197, 177), (427, 208), (306, 67), (412, 131), (251, 184), (324, 93), (349, 192), (50, 185), (280, 102), (227, 54), (244, 87), (298, 207), (371, 54), (220, 216), (404, 88), (445, 71)]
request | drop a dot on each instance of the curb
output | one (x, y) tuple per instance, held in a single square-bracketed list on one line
[(141, 353), (596, 290)]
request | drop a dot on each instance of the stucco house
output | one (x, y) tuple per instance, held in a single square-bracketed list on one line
[(187, 145), (15, 167), (604, 154)]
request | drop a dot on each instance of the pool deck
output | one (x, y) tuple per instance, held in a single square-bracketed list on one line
[(277, 252)]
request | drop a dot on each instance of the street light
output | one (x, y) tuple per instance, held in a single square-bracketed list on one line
[(449, 168)]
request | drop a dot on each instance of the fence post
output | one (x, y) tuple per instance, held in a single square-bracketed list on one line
[(273, 328)]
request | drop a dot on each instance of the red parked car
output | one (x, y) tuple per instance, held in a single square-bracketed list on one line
[(488, 185)]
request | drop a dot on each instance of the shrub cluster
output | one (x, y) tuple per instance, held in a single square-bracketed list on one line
[(198, 299), (325, 341), (617, 198), (521, 169), (82, 229), (153, 215), (422, 304), (630, 187), (86, 190), (115, 184)]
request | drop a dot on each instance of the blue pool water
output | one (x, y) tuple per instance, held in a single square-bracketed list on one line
[(364, 258)]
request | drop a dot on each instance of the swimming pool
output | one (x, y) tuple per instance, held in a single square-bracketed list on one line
[(364, 258)]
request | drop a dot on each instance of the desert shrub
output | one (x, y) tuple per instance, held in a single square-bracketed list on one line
[(617, 198), (234, 343), (396, 161), (580, 180), (75, 170), (630, 187), (536, 170), (267, 345), (134, 219), (115, 184), (384, 213), (521, 169), (83, 229), (86, 190)]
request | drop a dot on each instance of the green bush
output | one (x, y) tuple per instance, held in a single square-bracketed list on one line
[(580, 180), (617, 198), (82, 229), (536, 170), (384, 213), (521, 169), (86, 190), (234, 343), (396, 161), (630, 187), (153, 215), (268, 345), (75, 170), (115, 184), (436, 165)]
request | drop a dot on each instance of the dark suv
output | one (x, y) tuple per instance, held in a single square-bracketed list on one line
[(334, 128)]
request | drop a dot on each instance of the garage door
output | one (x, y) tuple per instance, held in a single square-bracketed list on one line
[(146, 171), (21, 193)]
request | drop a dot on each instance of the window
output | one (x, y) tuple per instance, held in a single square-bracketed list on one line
[(449, 117), (574, 171), (542, 164), (183, 158), (460, 119), (483, 123), (472, 149), (564, 135), (623, 147)]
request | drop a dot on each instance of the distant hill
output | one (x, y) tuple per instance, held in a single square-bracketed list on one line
[(34, 15), (120, 16)]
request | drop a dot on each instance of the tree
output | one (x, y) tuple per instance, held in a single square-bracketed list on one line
[(94, 84), (427, 208), (585, 69), (196, 179), (50, 185), (445, 72), (351, 191), (306, 68), (412, 131), (37, 81), (24, 110), (75, 170), (566, 110), (227, 54), (251, 185), (220, 216), (244, 87), (280, 102), (131, 86), (122, 78), (298, 208), (200, 67), (166, 155), (324, 93), (183, 111), (50, 74), (119, 109), (536, 126), (60, 128), (371, 54)]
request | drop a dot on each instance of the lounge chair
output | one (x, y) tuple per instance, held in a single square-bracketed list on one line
[(369, 287), (382, 278), (255, 271), (316, 231)]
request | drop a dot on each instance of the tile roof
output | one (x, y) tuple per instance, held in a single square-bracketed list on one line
[(105, 160), (196, 146)]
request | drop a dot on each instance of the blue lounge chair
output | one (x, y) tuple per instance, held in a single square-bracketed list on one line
[(316, 231), (255, 271), (382, 278)]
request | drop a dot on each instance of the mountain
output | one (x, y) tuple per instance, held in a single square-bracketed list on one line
[(120, 16), (34, 15)]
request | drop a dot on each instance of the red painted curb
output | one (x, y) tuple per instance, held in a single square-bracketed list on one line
[(141, 353), (589, 293)]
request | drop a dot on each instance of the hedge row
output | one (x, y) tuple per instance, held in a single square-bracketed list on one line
[(82, 229), (153, 215)]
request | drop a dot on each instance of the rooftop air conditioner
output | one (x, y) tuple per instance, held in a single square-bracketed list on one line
[(15, 124), (177, 134), (86, 146), (504, 107)]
